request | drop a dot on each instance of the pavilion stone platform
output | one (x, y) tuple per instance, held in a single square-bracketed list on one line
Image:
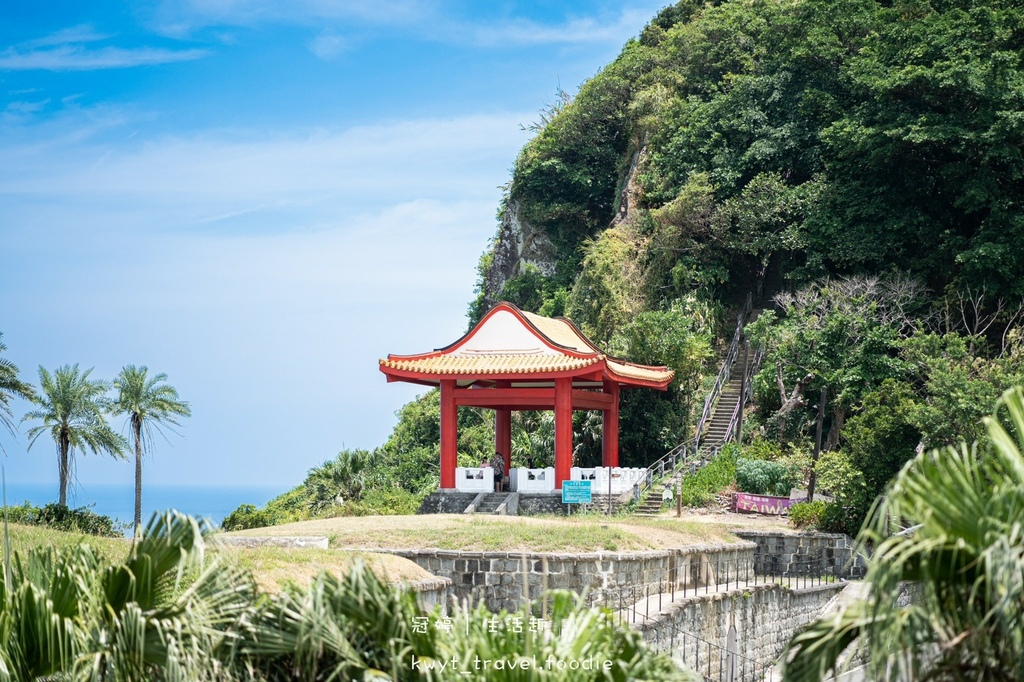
[(515, 360), (526, 504), (534, 491)]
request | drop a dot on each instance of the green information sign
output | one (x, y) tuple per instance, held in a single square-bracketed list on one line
[(575, 492)]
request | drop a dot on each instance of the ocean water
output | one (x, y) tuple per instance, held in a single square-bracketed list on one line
[(118, 501)]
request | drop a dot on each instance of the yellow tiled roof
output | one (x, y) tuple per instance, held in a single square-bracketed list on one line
[(561, 332), (642, 373), (490, 364), (563, 341)]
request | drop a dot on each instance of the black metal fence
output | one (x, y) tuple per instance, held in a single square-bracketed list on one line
[(702, 574)]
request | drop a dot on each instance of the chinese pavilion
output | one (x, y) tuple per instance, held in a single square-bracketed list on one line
[(515, 360)]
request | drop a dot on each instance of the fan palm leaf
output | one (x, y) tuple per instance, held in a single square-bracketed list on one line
[(947, 596)]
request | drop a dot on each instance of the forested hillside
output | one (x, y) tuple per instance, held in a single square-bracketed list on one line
[(855, 165)]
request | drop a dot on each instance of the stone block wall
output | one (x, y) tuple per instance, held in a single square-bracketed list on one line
[(503, 580), (540, 503), (446, 503), (799, 554), (765, 618)]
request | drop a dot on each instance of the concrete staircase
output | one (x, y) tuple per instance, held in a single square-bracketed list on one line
[(717, 430), (599, 502), (654, 502), (718, 425), (490, 503)]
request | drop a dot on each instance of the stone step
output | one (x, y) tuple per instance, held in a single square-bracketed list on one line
[(490, 504)]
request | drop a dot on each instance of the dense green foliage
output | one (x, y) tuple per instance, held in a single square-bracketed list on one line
[(761, 477), (58, 517), (810, 147), (807, 514), (948, 532), (167, 613), (825, 137)]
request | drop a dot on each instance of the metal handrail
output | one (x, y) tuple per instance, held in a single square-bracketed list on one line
[(680, 453), (751, 369)]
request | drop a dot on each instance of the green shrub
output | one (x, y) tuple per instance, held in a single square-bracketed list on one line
[(760, 477), (25, 514), (760, 448), (391, 501), (81, 520), (840, 519), (59, 517), (701, 488), (807, 514), (248, 516)]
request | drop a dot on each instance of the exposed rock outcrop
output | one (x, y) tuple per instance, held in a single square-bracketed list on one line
[(516, 245)]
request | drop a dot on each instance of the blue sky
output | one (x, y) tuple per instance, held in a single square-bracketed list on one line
[(261, 199)]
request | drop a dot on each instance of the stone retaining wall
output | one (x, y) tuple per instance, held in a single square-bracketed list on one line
[(431, 592), (797, 554), (288, 541), (446, 503), (765, 618), (498, 578)]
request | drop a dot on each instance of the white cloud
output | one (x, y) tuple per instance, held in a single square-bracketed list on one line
[(83, 33), (70, 49), (328, 45), (572, 31), (429, 19), (78, 58), (216, 176), (25, 107), (182, 17)]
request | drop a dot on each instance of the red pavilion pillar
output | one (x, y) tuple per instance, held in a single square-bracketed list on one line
[(563, 431), (503, 435), (610, 427), (449, 434)]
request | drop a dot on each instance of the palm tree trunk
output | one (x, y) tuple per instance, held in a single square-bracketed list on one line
[(62, 466), (137, 428)]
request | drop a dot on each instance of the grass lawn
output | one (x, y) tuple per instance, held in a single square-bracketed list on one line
[(503, 533), (354, 538), (271, 567)]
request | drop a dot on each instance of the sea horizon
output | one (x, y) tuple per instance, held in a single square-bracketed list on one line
[(117, 500)]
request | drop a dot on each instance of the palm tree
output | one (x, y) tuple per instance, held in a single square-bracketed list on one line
[(72, 408), (149, 402), (946, 596), (10, 387)]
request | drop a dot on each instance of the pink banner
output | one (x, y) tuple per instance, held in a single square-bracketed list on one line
[(764, 504)]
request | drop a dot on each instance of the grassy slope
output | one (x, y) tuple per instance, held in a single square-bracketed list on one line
[(271, 567), (503, 533), (357, 537)]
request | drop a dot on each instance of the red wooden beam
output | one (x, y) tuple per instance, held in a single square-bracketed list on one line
[(512, 398), (593, 372), (528, 398), (590, 400)]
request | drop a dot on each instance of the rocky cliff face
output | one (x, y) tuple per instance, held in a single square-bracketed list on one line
[(517, 244)]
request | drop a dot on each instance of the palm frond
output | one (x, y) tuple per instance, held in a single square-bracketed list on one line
[(946, 600)]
